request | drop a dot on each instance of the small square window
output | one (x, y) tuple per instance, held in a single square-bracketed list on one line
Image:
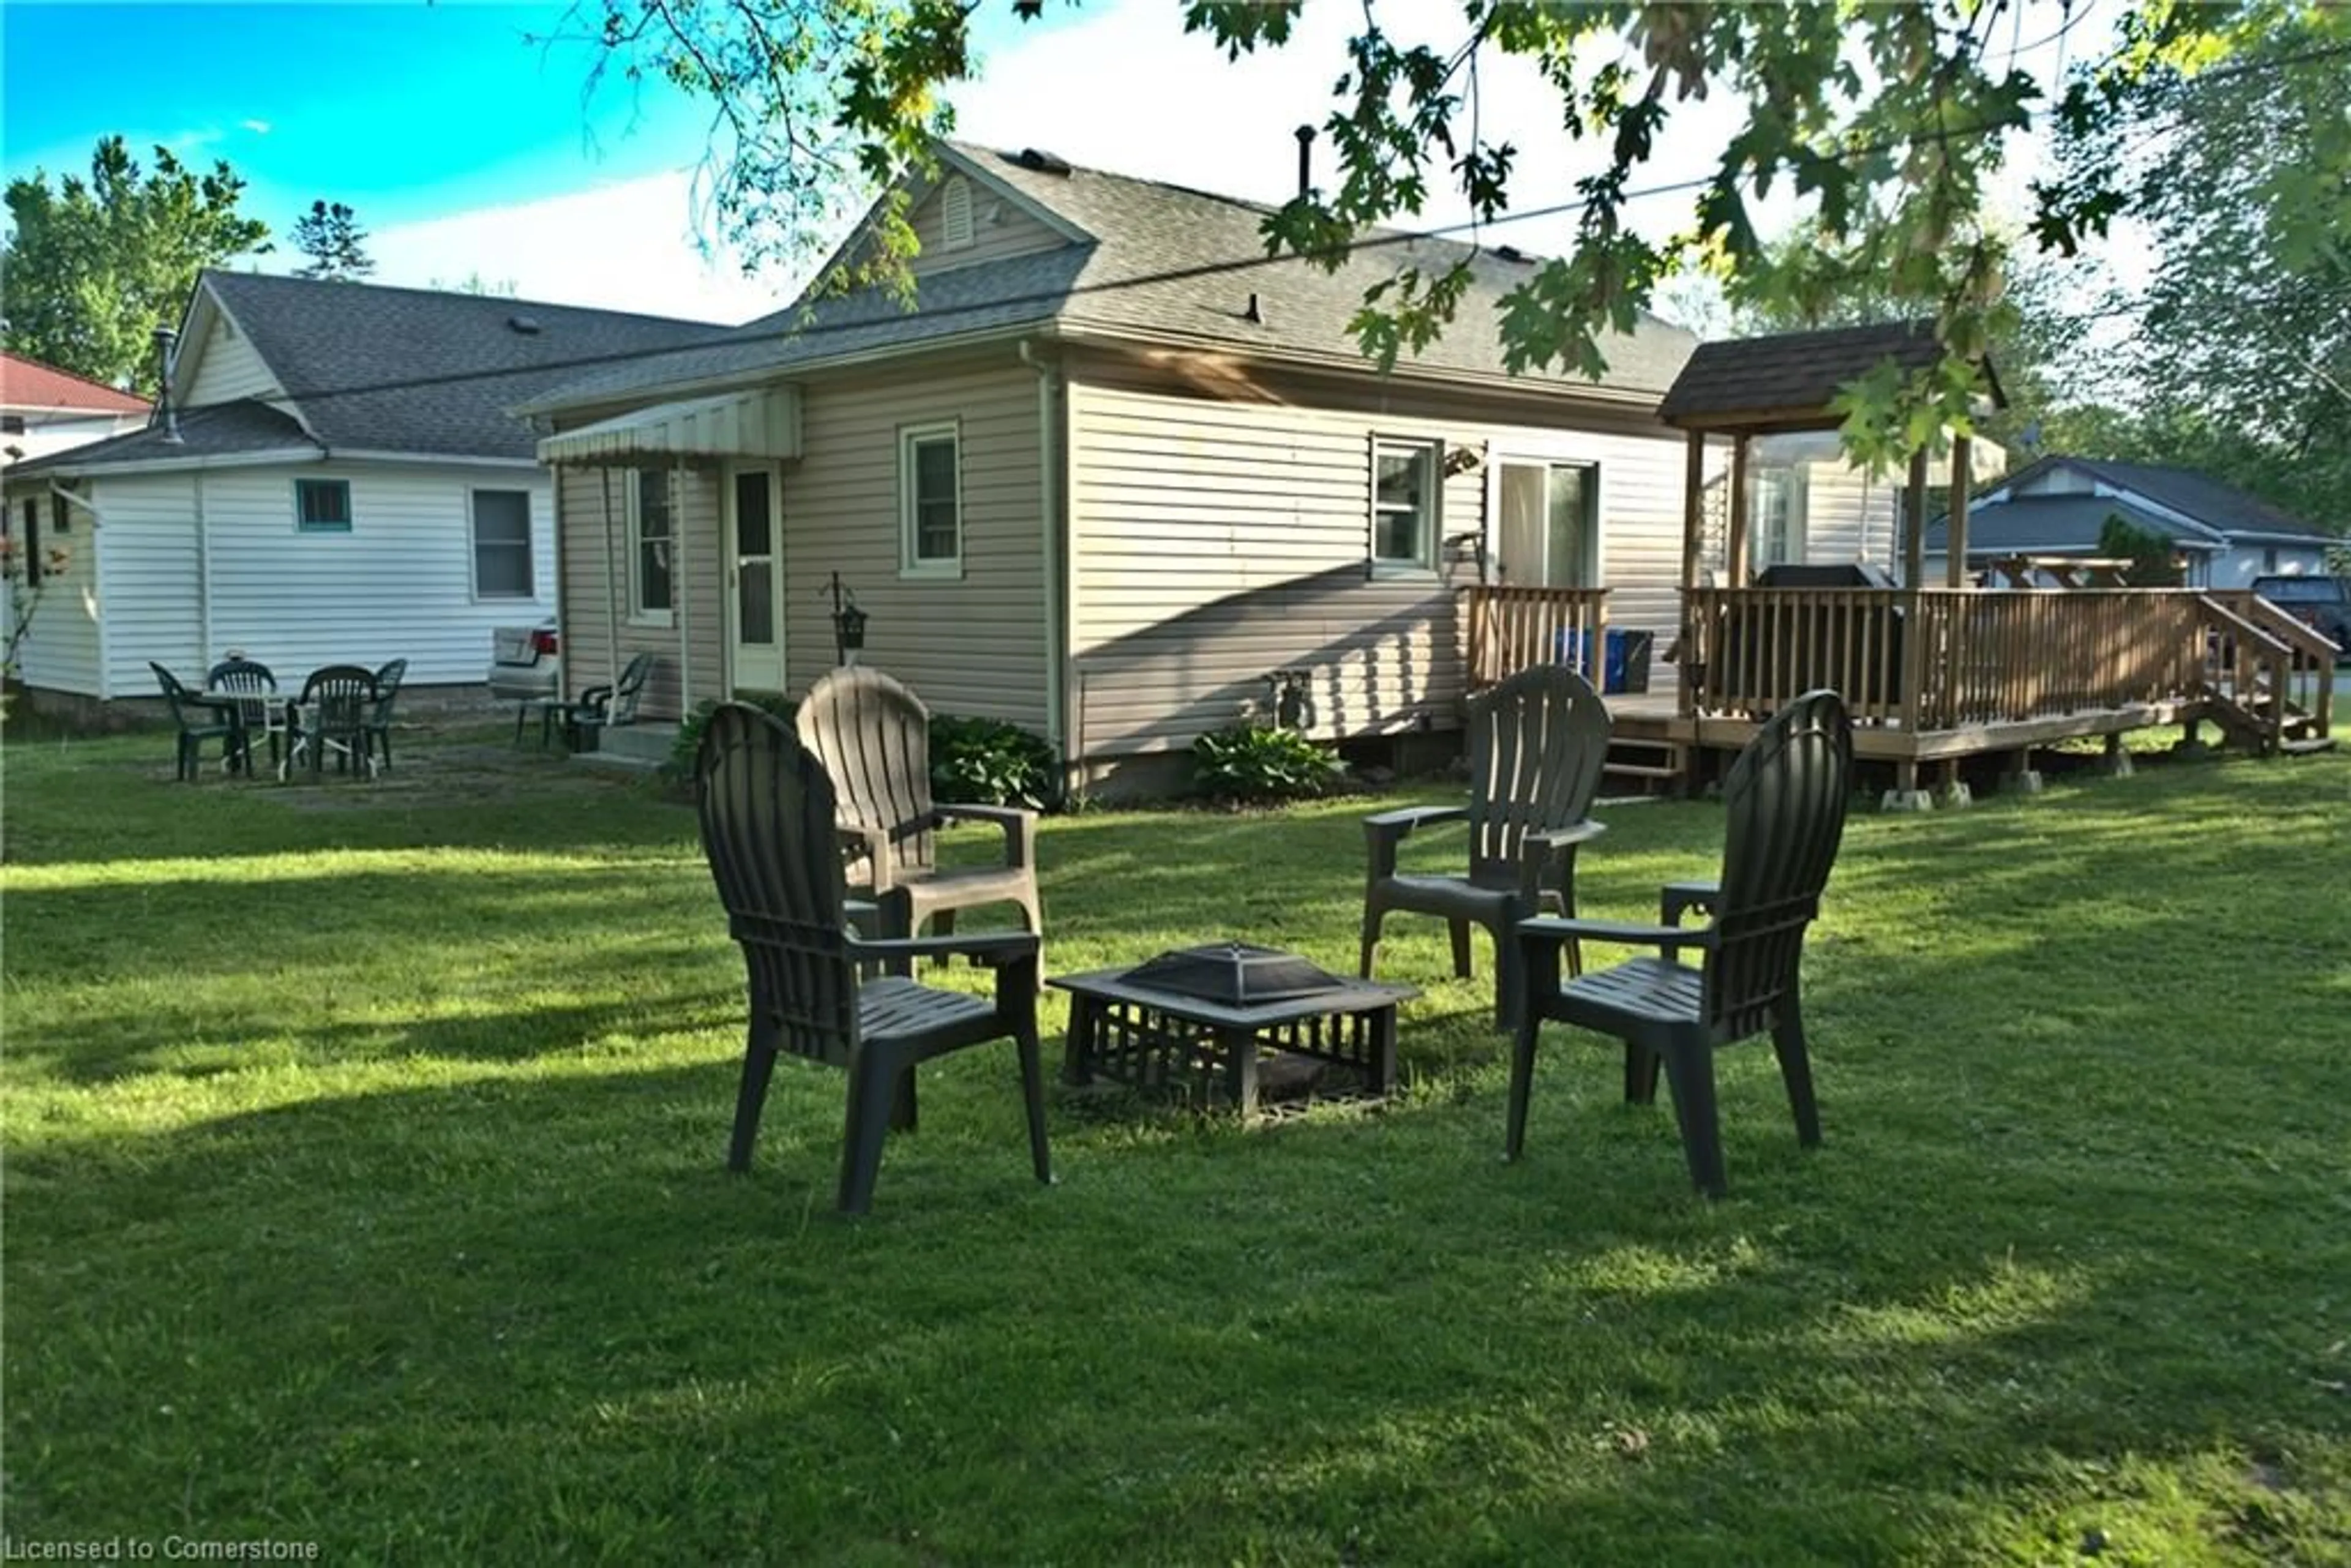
[(322, 505), (1404, 505)]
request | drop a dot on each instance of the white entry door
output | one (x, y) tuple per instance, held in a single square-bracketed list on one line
[(755, 581)]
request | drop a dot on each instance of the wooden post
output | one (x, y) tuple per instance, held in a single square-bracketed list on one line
[(1955, 567), (1734, 552), (1914, 524), (1693, 531)]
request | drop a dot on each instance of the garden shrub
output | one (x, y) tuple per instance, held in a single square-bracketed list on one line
[(987, 762), (1262, 762), (679, 769)]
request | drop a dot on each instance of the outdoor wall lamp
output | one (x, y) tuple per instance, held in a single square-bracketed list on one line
[(848, 621)]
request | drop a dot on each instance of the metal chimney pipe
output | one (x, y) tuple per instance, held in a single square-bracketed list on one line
[(166, 344), (1306, 135)]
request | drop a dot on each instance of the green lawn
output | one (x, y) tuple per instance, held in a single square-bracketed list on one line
[(364, 1186)]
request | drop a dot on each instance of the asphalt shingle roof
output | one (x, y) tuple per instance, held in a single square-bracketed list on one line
[(227, 430), (1163, 261), (2209, 501), (1791, 373), (2053, 525), (424, 371)]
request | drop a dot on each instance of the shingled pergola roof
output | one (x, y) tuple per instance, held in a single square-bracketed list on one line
[(1788, 381)]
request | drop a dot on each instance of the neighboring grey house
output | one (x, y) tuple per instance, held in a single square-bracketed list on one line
[(2059, 506), (1114, 466), (337, 481)]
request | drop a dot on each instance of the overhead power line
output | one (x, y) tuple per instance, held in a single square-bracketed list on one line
[(1376, 241)]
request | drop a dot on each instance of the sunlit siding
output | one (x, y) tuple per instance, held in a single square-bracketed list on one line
[(973, 644), (227, 368), (399, 584), (148, 589), (1216, 540), (1000, 228)]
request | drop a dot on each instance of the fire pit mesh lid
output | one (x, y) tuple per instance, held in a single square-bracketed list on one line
[(1234, 974)]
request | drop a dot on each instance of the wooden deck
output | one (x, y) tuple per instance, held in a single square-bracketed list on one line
[(1935, 675)]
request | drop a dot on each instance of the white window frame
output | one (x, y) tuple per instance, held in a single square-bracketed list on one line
[(1423, 562), (910, 564), (474, 542), (1795, 500), (351, 508), (1595, 475), (638, 615)]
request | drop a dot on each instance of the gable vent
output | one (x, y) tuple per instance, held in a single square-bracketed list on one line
[(526, 324), (1041, 162), (955, 213)]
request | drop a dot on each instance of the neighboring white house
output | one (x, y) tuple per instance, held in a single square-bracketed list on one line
[(333, 478), (1811, 506), (43, 409), (2059, 506)]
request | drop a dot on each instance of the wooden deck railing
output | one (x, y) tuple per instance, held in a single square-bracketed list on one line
[(1947, 659), (1943, 659), (1512, 628)]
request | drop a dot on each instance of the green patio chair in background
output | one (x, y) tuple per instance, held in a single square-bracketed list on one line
[(198, 719)]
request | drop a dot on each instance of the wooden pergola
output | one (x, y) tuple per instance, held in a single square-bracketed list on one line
[(1748, 387)]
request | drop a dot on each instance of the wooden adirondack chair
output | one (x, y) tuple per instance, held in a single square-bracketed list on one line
[(768, 829), (1536, 744), (1785, 799), (874, 736)]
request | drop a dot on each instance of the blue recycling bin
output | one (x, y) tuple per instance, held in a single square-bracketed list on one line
[(1625, 661)]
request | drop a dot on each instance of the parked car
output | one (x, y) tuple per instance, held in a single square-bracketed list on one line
[(2321, 603), (526, 663)]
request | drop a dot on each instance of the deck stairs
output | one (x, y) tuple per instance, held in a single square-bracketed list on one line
[(1648, 765)]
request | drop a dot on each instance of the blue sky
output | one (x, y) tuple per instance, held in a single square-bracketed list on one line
[(404, 111), (410, 112)]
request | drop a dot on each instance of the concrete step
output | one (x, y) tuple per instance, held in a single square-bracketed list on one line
[(640, 747)]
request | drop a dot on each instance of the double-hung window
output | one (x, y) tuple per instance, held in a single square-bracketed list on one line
[(930, 500), (501, 564), (651, 531), (1404, 506), (322, 505)]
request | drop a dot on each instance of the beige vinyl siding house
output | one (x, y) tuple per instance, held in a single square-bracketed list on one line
[(332, 480), (1165, 483), (1215, 540)]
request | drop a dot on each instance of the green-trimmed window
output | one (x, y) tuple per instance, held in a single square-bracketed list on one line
[(322, 505)]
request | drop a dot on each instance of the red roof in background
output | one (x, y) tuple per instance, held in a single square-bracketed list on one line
[(28, 384)]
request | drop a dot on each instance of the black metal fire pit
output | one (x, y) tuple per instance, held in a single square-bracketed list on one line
[(1199, 1019)]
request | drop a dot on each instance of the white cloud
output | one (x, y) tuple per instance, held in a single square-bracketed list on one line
[(1126, 90), (1121, 89), (259, 127), (623, 246)]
